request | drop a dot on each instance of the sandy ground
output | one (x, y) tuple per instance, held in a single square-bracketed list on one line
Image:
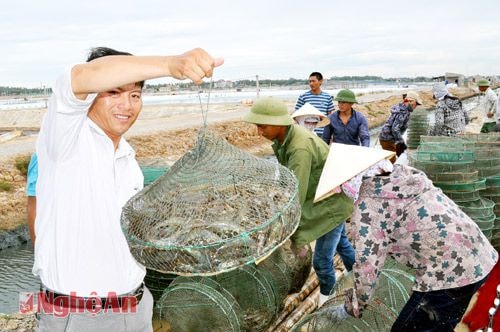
[(164, 133)]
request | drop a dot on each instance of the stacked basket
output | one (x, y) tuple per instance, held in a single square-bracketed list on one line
[(487, 162), (450, 163), (245, 299), (392, 291), (492, 192), (487, 148), (418, 126), (220, 219)]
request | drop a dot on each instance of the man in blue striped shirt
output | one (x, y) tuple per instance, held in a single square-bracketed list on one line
[(321, 100)]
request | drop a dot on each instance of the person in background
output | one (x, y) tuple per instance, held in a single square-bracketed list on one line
[(488, 105), (87, 172), (320, 99), (391, 135), (309, 117), (420, 227), (497, 113), (450, 116), (347, 126), (31, 179), (304, 153)]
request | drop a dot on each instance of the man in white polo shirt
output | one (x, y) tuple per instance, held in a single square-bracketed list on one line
[(87, 172)]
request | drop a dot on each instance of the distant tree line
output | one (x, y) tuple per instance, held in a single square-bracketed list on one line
[(380, 79), (287, 82), (17, 91)]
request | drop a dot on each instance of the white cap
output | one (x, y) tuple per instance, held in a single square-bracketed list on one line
[(415, 96)]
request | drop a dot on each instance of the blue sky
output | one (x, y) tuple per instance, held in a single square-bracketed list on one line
[(272, 38)]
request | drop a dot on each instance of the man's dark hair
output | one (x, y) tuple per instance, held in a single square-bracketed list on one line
[(99, 52), (317, 75)]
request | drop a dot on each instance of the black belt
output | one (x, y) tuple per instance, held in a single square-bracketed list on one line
[(122, 301)]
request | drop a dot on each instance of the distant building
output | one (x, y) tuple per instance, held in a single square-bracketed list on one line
[(451, 78), (458, 79), (223, 84)]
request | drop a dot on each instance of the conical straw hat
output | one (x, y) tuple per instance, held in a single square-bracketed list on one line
[(309, 110), (345, 162)]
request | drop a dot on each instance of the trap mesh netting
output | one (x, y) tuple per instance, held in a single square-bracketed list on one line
[(466, 167), (245, 299), (197, 304), (391, 293), (216, 208)]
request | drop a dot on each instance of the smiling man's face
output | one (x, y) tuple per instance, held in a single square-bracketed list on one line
[(115, 111)]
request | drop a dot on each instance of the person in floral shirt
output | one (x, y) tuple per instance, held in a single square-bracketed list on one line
[(450, 116), (403, 216)]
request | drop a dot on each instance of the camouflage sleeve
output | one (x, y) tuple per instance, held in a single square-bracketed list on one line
[(466, 115), (399, 122), (439, 119)]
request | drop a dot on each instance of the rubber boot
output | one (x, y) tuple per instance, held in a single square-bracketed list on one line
[(322, 299)]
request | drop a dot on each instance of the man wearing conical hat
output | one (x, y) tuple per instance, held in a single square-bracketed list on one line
[(304, 153)]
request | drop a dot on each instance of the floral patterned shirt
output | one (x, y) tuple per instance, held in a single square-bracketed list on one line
[(450, 117), (405, 217)]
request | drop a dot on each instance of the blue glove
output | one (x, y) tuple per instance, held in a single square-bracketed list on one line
[(337, 313)]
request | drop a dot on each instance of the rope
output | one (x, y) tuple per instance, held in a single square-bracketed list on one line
[(204, 112), (204, 115)]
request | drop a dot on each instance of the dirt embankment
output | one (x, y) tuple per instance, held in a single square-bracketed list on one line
[(165, 147), (170, 145)]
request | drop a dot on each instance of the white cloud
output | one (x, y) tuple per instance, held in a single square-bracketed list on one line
[(275, 39)]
